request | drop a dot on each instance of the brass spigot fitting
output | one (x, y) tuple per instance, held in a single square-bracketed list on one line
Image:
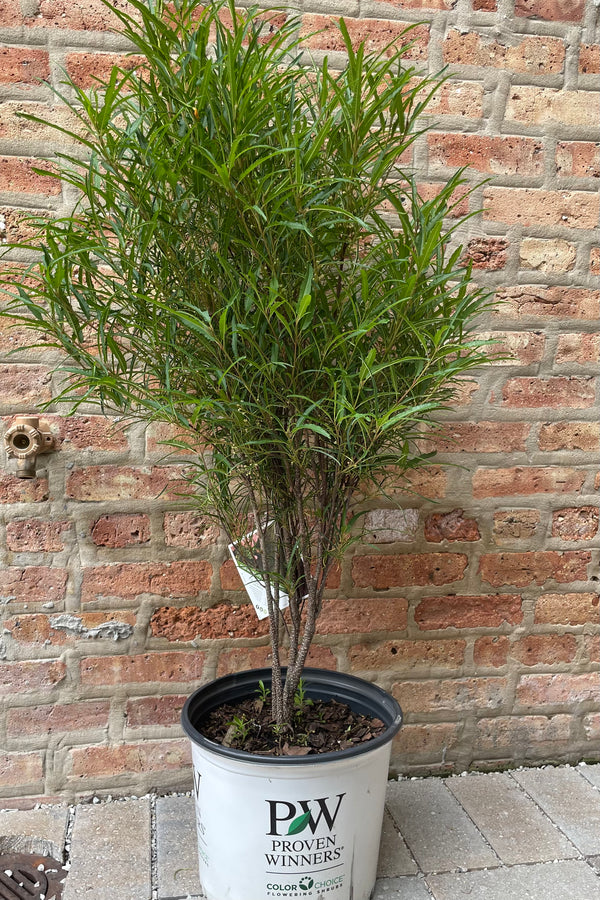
[(26, 438)]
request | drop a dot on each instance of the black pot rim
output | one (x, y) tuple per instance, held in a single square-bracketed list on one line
[(320, 684)]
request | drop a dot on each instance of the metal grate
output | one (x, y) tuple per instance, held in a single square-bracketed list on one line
[(29, 876)]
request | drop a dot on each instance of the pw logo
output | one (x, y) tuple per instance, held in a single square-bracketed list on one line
[(296, 817)]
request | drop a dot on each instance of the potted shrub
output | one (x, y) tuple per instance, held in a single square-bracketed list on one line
[(250, 260)]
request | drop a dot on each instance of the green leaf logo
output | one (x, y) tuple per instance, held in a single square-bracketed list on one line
[(299, 824)]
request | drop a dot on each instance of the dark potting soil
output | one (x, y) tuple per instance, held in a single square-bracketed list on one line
[(318, 726)]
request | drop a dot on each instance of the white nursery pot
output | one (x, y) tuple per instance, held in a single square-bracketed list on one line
[(290, 827)]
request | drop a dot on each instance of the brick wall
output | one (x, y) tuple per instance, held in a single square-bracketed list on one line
[(475, 602)]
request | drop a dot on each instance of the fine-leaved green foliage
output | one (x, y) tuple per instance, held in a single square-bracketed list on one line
[(250, 262)]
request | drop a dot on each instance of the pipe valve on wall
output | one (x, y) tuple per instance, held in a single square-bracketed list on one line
[(26, 438)]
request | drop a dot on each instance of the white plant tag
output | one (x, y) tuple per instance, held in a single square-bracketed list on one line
[(255, 588)]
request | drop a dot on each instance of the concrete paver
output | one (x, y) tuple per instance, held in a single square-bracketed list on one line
[(394, 855), (177, 853), (407, 888), (591, 773), (110, 855), (509, 820), (34, 831), (570, 800), (572, 879), (443, 839), (435, 827)]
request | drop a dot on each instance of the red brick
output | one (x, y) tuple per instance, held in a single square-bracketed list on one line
[(566, 609), (549, 649), (85, 15), (570, 436), (58, 717), (189, 530), (89, 433), (530, 55), (217, 622), (550, 257), (450, 695), (86, 68), (154, 710), (451, 526), (384, 572), (526, 480), (486, 253), (458, 98), (458, 201), (455, 611), (21, 769), (228, 574), (164, 668), (321, 33), (344, 616), (534, 567), (551, 10), (159, 436), (575, 523), (494, 155), (464, 391), (591, 643), (515, 524), (522, 348), (554, 393), (128, 581), (536, 300), (424, 4), (581, 158), (578, 348), (524, 737), (386, 526), (565, 689), (29, 677), (14, 336), (591, 726), (24, 386), (491, 651), (121, 530), (99, 483), (23, 65), (36, 535), (13, 127), (10, 13), (242, 658), (130, 759), (549, 106), (430, 482), (17, 175), (407, 655), (425, 743), (532, 206), (589, 59), (33, 584), (18, 225), (21, 490), (484, 5), (55, 630), (480, 437)]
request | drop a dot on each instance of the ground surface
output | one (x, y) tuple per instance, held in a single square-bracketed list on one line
[(532, 834)]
